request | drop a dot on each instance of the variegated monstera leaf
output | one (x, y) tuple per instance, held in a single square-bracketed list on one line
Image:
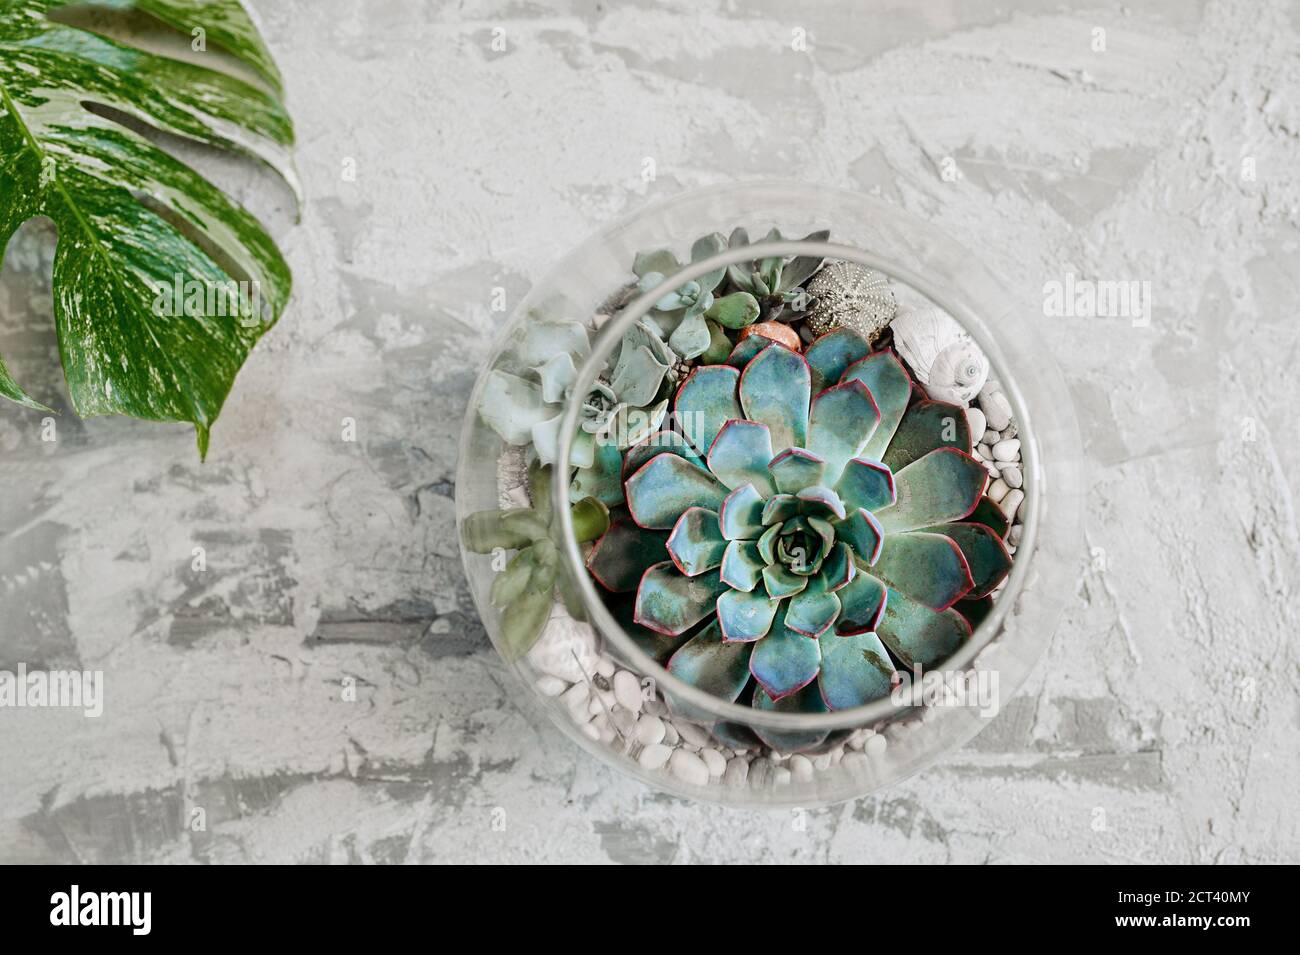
[(810, 529), (162, 285)]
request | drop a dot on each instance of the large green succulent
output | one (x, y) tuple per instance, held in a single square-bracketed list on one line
[(808, 527)]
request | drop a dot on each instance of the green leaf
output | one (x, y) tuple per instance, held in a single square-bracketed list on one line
[(735, 310), (484, 531), (512, 581), (162, 285), (522, 622)]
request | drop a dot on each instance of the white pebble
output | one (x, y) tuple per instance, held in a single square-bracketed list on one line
[(627, 690), (649, 730), (737, 772), (1007, 450), (760, 772), (624, 721), (983, 452), (1013, 537), (671, 736), (654, 707), (1011, 503), (978, 424), (781, 776), (822, 762), (566, 648), (876, 746), (689, 768), (996, 408), (991, 437), (654, 756), (591, 730), (997, 490), (801, 767), (575, 698), (855, 762), (1013, 477), (605, 667), (695, 735), (551, 685), (595, 706), (715, 761)]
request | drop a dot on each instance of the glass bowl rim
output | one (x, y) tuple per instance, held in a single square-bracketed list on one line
[(607, 339)]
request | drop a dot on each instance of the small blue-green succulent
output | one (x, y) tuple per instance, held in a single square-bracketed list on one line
[(691, 315), (811, 525), (776, 282), (527, 405)]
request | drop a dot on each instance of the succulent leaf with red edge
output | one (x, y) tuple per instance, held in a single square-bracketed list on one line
[(823, 568)]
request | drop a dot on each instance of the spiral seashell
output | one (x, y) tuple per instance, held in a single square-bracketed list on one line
[(944, 358)]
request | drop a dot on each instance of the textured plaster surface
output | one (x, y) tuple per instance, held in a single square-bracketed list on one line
[(1161, 725)]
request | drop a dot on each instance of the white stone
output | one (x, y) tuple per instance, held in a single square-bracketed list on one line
[(737, 771), (760, 772), (624, 721), (654, 707), (591, 730), (995, 406), (689, 768), (1013, 536), (1013, 476), (627, 690), (695, 735), (575, 699), (655, 756), (551, 685), (649, 730), (983, 452), (876, 746), (605, 667), (801, 768), (1007, 450), (856, 762), (782, 776), (822, 762), (566, 648), (1011, 503), (991, 437), (978, 424), (671, 736), (997, 490), (517, 497), (715, 761)]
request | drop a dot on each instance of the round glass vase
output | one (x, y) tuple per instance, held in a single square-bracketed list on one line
[(928, 268)]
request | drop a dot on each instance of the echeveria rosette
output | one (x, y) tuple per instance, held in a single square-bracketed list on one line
[(774, 282), (689, 313), (615, 413), (823, 536)]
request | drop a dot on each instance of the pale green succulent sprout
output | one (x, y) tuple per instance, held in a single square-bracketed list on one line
[(690, 313), (527, 407)]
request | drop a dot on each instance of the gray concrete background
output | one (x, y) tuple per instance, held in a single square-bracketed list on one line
[(1160, 726)]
